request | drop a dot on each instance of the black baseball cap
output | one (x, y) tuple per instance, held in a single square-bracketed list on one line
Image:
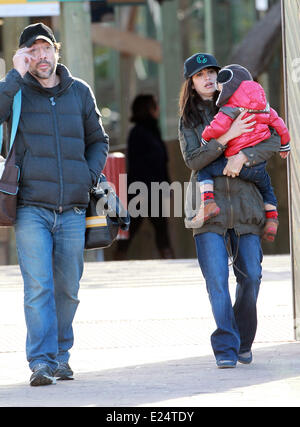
[(197, 62), (35, 32)]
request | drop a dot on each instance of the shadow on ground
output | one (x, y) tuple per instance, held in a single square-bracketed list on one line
[(147, 384)]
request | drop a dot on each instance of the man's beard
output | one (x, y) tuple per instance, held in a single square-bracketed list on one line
[(44, 74)]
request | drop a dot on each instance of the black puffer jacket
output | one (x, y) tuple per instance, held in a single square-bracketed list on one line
[(147, 156), (61, 146)]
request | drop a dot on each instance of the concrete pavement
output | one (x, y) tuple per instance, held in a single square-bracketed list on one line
[(142, 339)]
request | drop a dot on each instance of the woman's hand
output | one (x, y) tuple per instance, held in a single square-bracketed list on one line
[(235, 164), (238, 127), (284, 154)]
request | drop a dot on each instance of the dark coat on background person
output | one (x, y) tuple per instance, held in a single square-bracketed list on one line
[(61, 146), (147, 162), (147, 156)]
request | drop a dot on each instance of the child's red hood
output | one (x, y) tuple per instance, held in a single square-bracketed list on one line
[(250, 95)]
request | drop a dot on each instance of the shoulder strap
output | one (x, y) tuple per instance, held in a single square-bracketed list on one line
[(15, 120), (232, 112)]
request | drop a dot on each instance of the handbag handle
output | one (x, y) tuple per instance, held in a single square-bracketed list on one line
[(111, 202), (15, 120)]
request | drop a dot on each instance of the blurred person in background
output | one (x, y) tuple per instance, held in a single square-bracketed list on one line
[(147, 161)]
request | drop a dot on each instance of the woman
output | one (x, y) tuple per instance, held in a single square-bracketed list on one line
[(146, 162), (236, 231)]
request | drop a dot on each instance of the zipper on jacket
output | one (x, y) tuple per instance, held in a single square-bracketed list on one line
[(230, 204), (54, 114)]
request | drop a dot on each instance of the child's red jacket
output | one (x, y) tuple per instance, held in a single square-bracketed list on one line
[(250, 95)]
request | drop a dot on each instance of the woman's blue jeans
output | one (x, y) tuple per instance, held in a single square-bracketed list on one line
[(50, 248), (236, 325)]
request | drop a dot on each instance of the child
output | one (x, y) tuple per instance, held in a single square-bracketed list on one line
[(239, 92)]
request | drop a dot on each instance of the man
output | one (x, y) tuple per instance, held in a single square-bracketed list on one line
[(61, 148)]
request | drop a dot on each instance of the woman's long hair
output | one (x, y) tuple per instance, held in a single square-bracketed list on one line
[(189, 102)]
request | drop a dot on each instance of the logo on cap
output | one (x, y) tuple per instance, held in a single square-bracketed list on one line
[(201, 59)]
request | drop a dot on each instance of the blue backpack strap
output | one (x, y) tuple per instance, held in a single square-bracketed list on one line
[(16, 117), (15, 120)]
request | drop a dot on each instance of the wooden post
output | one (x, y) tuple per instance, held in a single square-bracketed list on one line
[(11, 30), (171, 67), (217, 21), (291, 53), (77, 50), (209, 26), (126, 81)]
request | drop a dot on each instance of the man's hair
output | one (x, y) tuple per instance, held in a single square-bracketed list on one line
[(57, 46)]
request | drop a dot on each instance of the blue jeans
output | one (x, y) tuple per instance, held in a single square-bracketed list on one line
[(236, 325), (50, 248), (256, 174)]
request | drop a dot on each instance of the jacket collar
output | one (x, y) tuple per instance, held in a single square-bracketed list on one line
[(66, 80), (208, 104)]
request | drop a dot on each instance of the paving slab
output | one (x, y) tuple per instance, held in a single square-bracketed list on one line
[(142, 339)]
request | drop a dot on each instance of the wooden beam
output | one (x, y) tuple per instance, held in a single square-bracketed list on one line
[(126, 42)]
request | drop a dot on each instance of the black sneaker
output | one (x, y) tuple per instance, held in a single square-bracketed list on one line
[(64, 372), (42, 375)]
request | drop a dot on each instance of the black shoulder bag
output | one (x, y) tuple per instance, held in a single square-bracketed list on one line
[(105, 216)]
